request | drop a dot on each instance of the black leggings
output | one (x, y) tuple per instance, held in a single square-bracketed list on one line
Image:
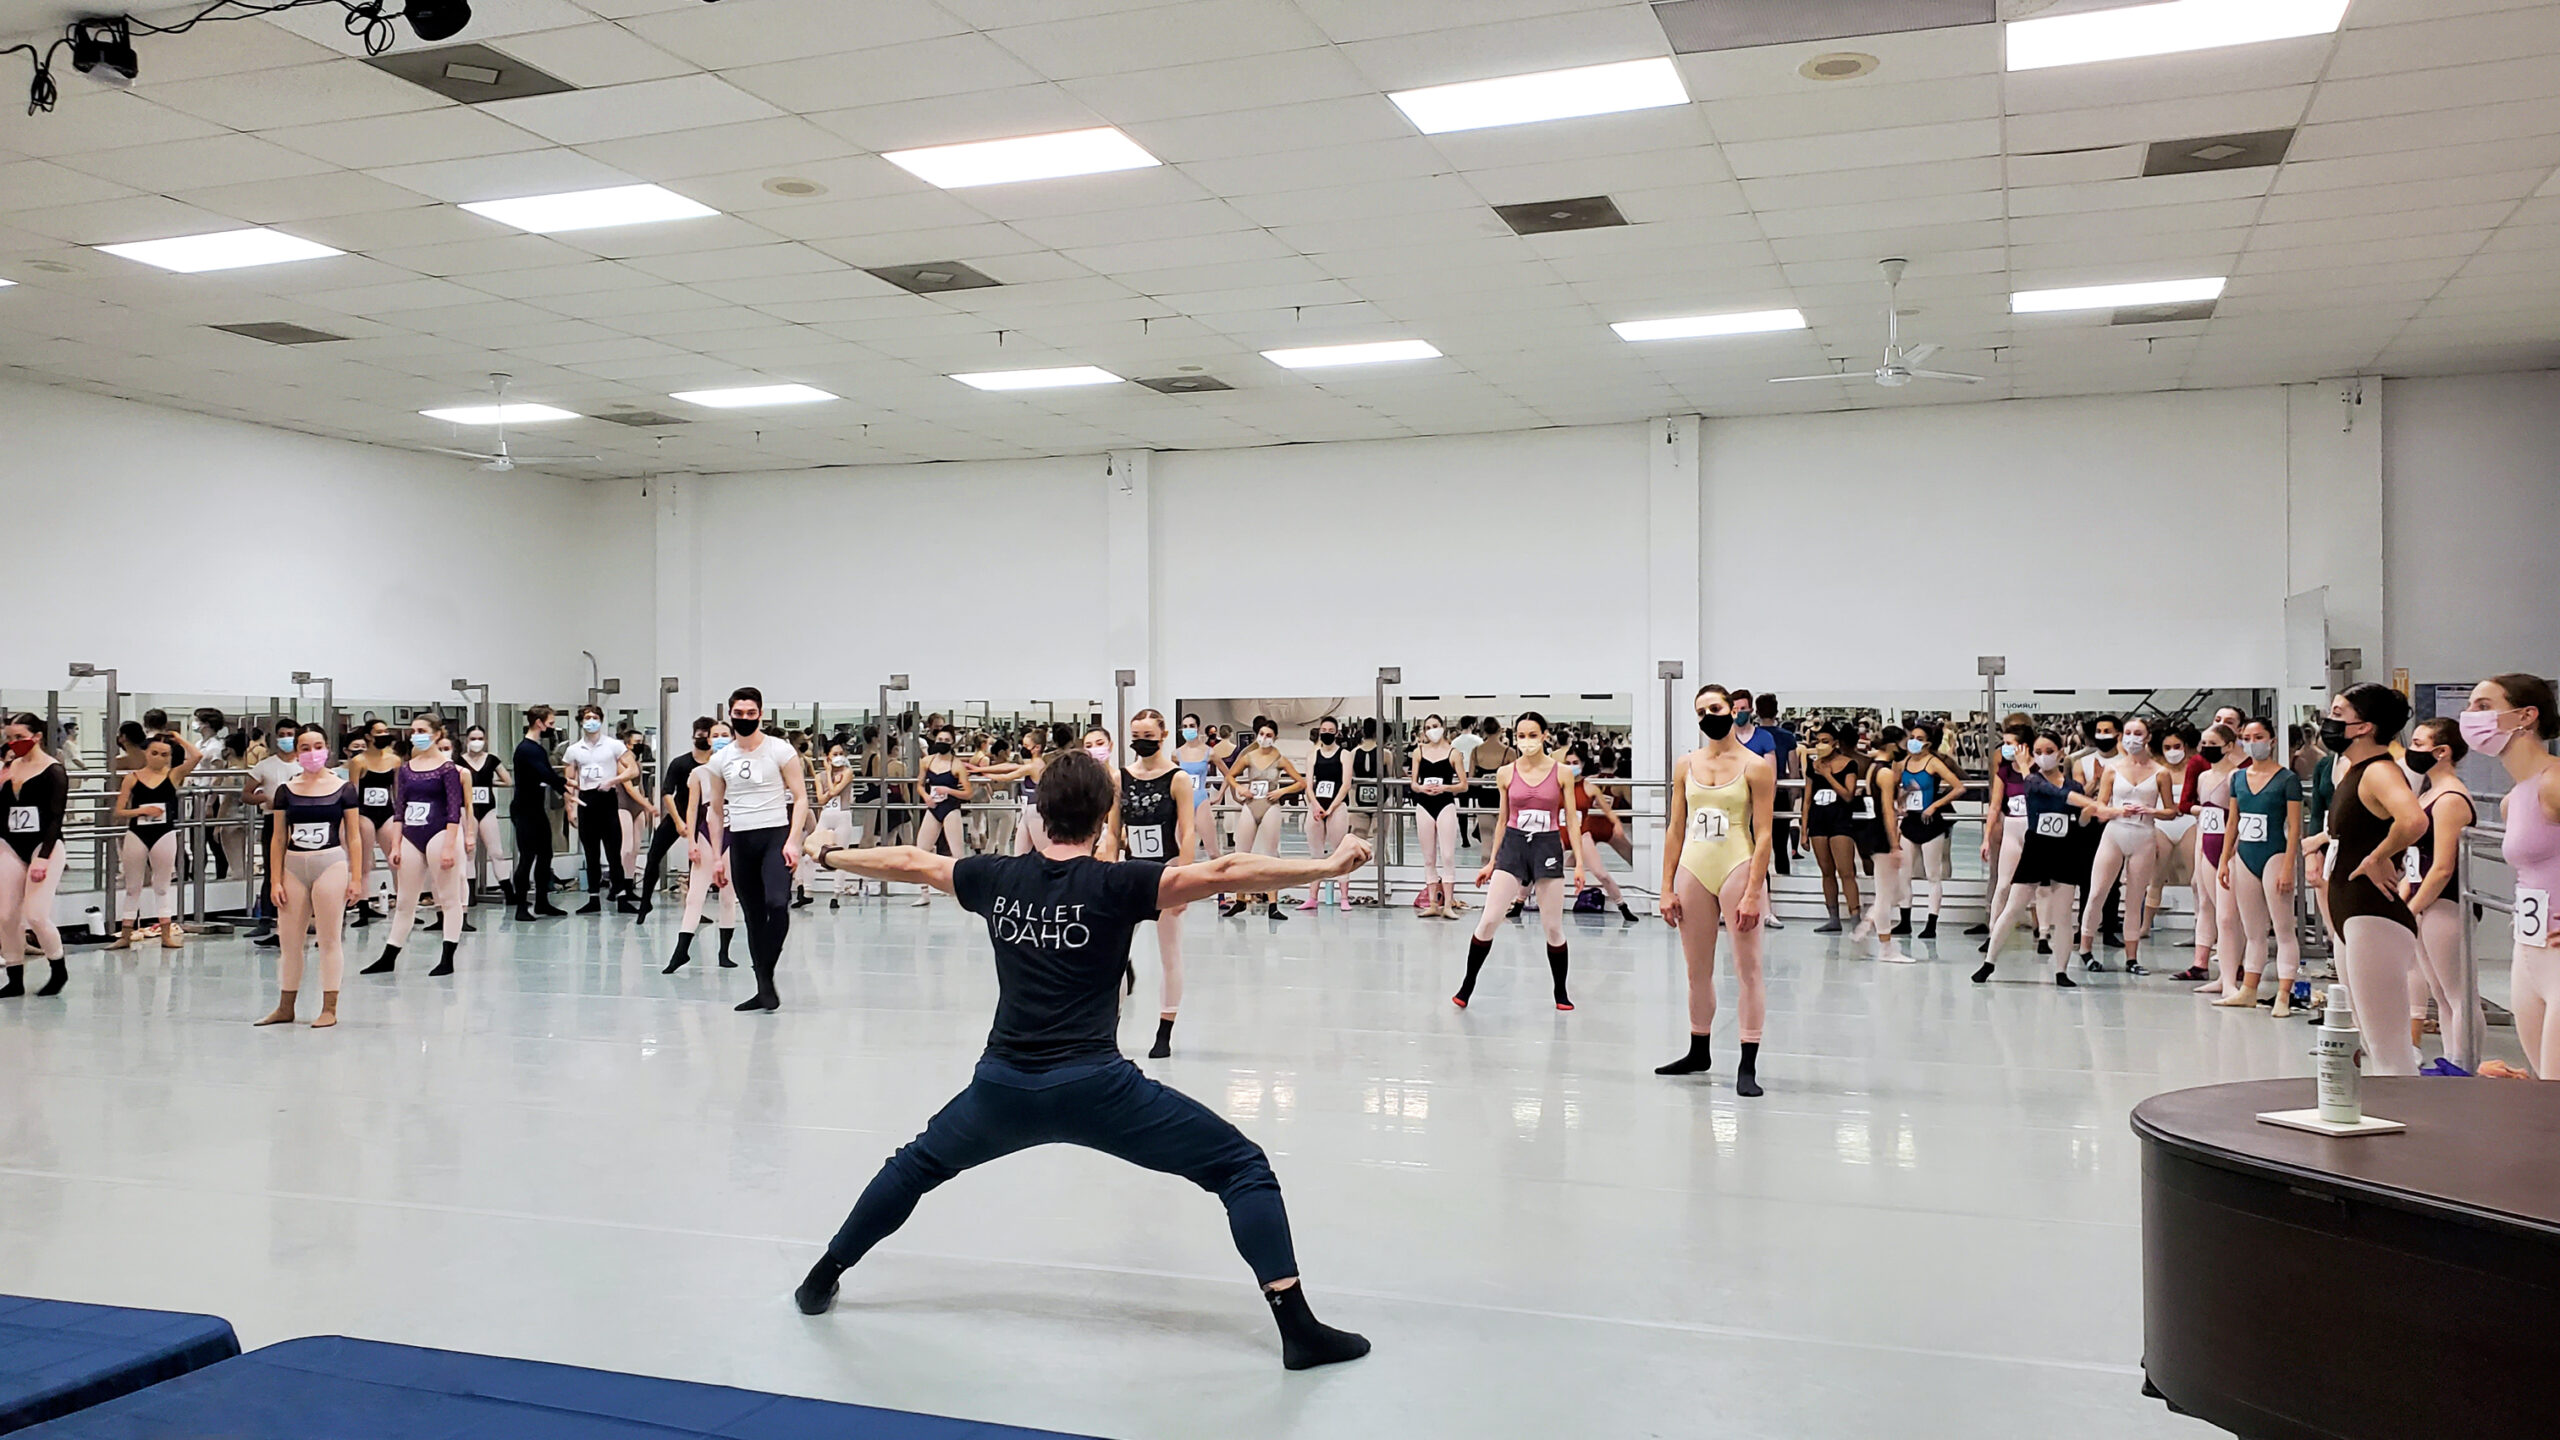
[(763, 885), (533, 857), (660, 842), (600, 835)]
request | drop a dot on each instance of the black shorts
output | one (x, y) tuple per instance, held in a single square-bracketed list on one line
[(1531, 858), (1831, 819)]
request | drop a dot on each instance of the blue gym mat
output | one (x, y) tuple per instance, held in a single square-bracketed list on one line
[(57, 1357), (329, 1387)]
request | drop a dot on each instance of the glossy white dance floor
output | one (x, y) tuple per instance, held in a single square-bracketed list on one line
[(1929, 1226)]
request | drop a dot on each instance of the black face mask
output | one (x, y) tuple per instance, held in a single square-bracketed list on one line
[(1328, 739), (2106, 744), (2421, 761), (1142, 747), (939, 747), (2212, 753), (1715, 727), (2333, 736), (745, 725)]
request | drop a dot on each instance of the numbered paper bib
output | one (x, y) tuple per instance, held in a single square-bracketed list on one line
[(1709, 825), (591, 776), (1913, 802), (1365, 795), (1866, 808), (2533, 917), (416, 812), (1146, 844), (1261, 789), (1533, 822), (22, 819), (2411, 872), (1826, 797), (311, 835), (2253, 829), (2211, 822), (2017, 807), (480, 795), (2054, 825), (1324, 789), (377, 796)]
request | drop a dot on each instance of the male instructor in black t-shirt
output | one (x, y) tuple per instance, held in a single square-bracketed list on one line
[(1053, 1073)]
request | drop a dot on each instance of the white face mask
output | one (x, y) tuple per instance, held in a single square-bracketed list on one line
[(1432, 733), (2258, 749), (2135, 744), (476, 746), (2174, 755)]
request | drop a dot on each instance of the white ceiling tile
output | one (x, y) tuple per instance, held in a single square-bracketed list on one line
[(235, 47), (1325, 239), (1203, 30), (2073, 167), (2133, 124), (1903, 58), (725, 37), (756, 149), (1218, 86), (1857, 106), (300, 197), (1913, 241), (1314, 169), (1566, 179), (1181, 251), (2443, 37), (2405, 195), (2488, 157), (2534, 78), (377, 300), (2472, 220), (878, 215), (1882, 215), (591, 55), (1893, 182), (928, 69), (1511, 47), (183, 164), (109, 222), (2136, 220), (456, 132), (909, 247), (1361, 201), (1587, 137), (1910, 145), (1155, 222), (2449, 246), (503, 176), (297, 95), (479, 257), (417, 224), (2469, 124), (1321, 124), (738, 264), (2143, 192), (96, 119), (648, 107), (40, 185)]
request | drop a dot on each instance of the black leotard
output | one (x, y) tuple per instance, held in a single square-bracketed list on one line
[(483, 784), (1147, 815), (1364, 775), (1443, 770), (31, 814), (164, 795), (373, 794), (2354, 833), (943, 806), (1827, 817)]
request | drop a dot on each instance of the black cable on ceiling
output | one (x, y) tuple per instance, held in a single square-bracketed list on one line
[(370, 21)]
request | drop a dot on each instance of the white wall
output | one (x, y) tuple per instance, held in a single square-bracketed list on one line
[(206, 556), (2471, 521), (2094, 542)]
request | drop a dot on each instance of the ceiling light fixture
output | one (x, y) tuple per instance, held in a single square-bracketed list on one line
[(222, 250), (746, 396), (1314, 357), (518, 413), (1050, 379), (1691, 327), (2111, 297), (1032, 157), (2169, 28), (1547, 95), (591, 209), (5, 284)]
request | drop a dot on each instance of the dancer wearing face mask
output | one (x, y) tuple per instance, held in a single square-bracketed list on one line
[(2427, 882), (1832, 787), (2049, 855), (315, 860), (1439, 777), (2373, 818), (598, 767), (701, 860), (2513, 718), (673, 786), (433, 809), (1260, 777), (529, 814), (832, 786), (2004, 816), (2105, 747), (1328, 811), (1720, 805), (1929, 790), (2132, 801), (1152, 820), (147, 801), (374, 771), (1599, 828), (2207, 803), (1199, 761), (756, 804), (944, 788), (485, 774), (2262, 865), (1367, 793), (1024, 775), (33, 794), (1538, 821), (1879, 836)]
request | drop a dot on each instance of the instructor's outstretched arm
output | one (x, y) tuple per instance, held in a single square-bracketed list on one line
[(1183, 884), (897, 863)]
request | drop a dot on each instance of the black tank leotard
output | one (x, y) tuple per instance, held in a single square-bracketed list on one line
[(31, 814), (374, 794), (1446, 772), (2354, 833), (1147, 815), (482, 784), (164, 795)]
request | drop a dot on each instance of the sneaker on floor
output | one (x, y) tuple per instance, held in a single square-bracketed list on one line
[(1827, 927), (2441, 1066)]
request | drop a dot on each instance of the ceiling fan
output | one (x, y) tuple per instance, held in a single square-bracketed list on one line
[(1901, 361), (503, 459)]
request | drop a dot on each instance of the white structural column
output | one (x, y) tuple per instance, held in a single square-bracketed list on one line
[(1129, 584), (1674, 603), (2333, 511), (677, 614)]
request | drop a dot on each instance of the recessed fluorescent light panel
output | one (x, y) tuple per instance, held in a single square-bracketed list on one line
[(5, 284), (2110, 297), (746, 396), (223, 250), (591, 209), (1691, 327), (2165, 29), (1316, 357), (1051, 379), (1548, 95), (1032, 157), (518, 414)]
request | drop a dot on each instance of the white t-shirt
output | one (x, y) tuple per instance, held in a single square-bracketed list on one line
[(755, 796), (592, 764), (272, 772)]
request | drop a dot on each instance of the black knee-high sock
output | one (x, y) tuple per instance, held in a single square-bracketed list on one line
[(1557, 965), (1746, 1081), (684, 952), (1690, 1064), (1476, 951), (725, 962)]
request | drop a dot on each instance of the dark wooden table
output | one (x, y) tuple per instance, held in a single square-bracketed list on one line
[(2300, 1287)]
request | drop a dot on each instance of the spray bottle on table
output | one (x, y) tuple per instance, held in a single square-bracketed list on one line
[(2341, 1052)]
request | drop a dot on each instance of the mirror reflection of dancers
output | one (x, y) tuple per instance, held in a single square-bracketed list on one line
[(684, 804), (1718, 878), (1438, 779), (1060, 922), (1155, 819), (1537, 821)]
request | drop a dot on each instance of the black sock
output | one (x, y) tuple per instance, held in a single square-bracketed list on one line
[(390, 955), (1557, 964), (1476, 951), (818, 1291), (1690, 1064), (1164, 1039), (1746, 1081), (684, 952), (444, 963), (725, 962), (56, 976), (1305, 1341), (16, 984), (764, 998)]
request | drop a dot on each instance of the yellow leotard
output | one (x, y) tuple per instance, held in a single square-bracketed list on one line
[(1719, 838)]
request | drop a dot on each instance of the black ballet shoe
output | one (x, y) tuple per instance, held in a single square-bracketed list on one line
[(1977, 928), (382, 966), (548, 911), (1904, 927), (1746, 1080), (1695, 1062), (1930, 930), (817, 1293), (1634, 919), (1163, 1048), (524, 916), (1828, 927), (2063, 979), (594, 906), (2044, 945), (1982, 949), (758, 1002), (16, 984), (641, 915), (56, 976), (1983, 974)]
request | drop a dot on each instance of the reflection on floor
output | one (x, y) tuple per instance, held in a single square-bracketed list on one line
[(1927, 1228)]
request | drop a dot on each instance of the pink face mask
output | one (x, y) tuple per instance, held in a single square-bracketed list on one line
[(1099, 752), (2480, 731), (312, 761)]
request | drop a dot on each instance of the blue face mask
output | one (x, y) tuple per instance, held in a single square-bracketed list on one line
[(594, 726), (719, 743), (1915, 744), (1190, 732)]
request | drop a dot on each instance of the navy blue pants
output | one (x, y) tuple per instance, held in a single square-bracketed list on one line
[(1116, 1110)]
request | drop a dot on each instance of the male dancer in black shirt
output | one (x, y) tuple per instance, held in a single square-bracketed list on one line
[(1053, 1073), (531, 813)]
